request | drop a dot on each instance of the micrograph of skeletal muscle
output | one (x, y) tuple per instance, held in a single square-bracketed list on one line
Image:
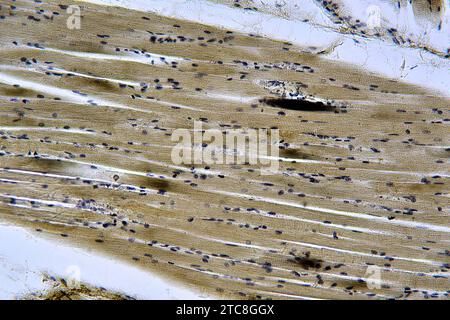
[(349, 104)]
